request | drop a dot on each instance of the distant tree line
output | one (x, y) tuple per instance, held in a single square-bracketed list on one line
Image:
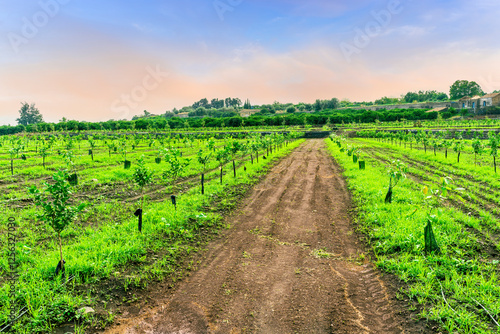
[(317, 118), (421, 96), (216, 113), (459, 89), (224, 113), (217, 104)]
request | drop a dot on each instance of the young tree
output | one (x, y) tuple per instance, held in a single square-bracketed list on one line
[(142, 177), (44, 153), (29, 114), (478, 148), (111, 147), (123, 151), (397, 172), (211, 144), (435, 142), (222, 156), (433, 200), (446, 144), (14, 152), (234, 147), (244, 150), (203, 160), (458, 145), (176, 165), (53, 199), (494, 141), (92, 144)]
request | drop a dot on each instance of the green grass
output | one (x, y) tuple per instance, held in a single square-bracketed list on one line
[(104, 243), (463, 273)]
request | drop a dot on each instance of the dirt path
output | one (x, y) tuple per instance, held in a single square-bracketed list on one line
[(290, 264)]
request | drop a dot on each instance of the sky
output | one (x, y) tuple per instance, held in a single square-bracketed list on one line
[(94, 60)]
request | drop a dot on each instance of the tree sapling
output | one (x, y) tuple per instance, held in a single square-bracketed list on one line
[(142, 177), (57, 212), (397, 172)]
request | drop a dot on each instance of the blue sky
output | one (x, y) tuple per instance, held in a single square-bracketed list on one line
[(97, 60)]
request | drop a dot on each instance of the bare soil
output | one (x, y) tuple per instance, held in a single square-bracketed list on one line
[(291, 263)]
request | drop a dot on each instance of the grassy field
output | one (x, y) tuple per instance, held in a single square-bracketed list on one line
[(103, 246), (456, 286)]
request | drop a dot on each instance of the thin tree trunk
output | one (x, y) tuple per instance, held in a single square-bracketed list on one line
[(12, 166), (495, 163), (234, 168), (220, 174), (142, 197), (202, 184), (60, 252), (458, 157)]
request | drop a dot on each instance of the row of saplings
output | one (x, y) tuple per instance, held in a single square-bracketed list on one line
[(440, 140), (18, 145), (54, 198), (43, 146), (396, 172)]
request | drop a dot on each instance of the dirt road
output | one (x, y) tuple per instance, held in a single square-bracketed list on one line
[(290, 264)]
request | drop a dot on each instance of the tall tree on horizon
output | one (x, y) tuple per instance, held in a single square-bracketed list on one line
[(247, 104), (29, 114), (462, 88)]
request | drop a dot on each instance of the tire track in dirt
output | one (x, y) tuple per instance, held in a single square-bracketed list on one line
[(289, 265)]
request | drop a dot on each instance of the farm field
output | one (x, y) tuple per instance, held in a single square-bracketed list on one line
[(284, 235), (249, 167), (103, 249), (291, 264), (457, 286), (449, 124)]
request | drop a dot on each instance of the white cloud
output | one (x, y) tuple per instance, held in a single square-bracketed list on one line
[(409, 31), (246, 51)]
